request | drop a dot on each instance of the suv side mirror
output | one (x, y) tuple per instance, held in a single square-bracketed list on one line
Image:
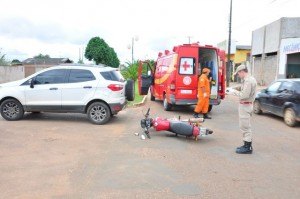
[(32, 83), (264, 91), (282, 90)]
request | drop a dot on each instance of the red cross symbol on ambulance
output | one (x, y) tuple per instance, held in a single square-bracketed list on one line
[(186, 65)]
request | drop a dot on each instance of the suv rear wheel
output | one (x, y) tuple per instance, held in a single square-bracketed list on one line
[(290, 117), (98, 113), (12, 110)]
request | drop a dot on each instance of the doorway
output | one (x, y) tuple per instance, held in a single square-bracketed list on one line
[(293, 65)]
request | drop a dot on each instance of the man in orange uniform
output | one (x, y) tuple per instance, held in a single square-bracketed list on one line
[(203, 95)]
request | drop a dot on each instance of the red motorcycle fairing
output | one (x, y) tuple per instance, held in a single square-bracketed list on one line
[(160, 124), (176, 127), (196, 131)]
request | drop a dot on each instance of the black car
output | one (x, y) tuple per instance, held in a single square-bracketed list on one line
[(281, 98)]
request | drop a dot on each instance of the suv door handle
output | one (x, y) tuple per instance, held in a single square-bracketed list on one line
[(87, 87), (52, 89)]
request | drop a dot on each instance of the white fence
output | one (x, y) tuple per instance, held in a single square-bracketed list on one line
[(11, 73)]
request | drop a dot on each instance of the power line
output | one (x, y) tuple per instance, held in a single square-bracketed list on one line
[(266, 6)]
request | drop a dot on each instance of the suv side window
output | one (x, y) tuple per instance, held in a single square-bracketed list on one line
[(80, 75), (56, 76), (274, 87), (288, 86)]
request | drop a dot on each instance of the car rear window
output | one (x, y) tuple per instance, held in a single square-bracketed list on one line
[(112, 76)]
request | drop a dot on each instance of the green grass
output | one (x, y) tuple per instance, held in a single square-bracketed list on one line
[(138, 98)]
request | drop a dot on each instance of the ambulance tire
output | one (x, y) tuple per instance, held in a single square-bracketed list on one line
[(167, 106), (129, 90), (152, 98), (210, 108)]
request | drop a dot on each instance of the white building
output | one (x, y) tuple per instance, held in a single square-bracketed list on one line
[(276, 51)]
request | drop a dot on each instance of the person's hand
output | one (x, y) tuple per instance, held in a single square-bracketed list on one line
[(231, 91), (205, 95)]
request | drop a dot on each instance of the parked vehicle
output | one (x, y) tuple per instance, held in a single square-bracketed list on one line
[(281, 98), (174, 78), (98, 91)]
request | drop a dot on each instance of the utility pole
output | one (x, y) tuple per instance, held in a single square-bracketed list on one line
[(189, 37), (132, 45), (79, 55), (228, 69), (136, 38)]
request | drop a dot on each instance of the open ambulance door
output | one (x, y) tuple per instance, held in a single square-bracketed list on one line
[(145, 77), (222, 74)]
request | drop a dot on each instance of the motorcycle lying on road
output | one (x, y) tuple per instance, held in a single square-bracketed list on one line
[(190, 128)]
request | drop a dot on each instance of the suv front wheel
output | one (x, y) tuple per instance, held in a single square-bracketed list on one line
[(98, 113), (12, 110)]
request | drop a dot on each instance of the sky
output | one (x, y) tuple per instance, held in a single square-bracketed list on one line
[(62, 28)]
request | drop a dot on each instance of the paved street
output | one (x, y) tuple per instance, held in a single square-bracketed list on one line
[(64, 156)]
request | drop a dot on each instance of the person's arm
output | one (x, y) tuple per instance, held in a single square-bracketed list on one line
[(201, 85), (245, 93)]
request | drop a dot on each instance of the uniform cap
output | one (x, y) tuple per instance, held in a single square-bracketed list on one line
[(239, 68), (205, 70)]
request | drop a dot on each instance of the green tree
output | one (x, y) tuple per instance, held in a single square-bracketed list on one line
[(41, 56), (80, 61), (15, 62), (3, 61), (131, 70), (101, 53)]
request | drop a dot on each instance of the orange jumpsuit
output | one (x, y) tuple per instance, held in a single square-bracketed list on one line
[(203, 102)]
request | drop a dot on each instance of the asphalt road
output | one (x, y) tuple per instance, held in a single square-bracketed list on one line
[(64, 156)]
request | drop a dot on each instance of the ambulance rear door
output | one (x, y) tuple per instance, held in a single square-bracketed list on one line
[(187, 74), (221, 74)]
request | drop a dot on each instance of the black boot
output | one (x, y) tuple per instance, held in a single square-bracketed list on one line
[(196, 115), (246, 149), (241, 146), (206, 116)]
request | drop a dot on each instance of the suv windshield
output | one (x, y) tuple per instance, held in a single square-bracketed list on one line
[(112, 76)]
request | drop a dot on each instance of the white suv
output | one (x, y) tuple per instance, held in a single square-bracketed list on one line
[(98, 91)]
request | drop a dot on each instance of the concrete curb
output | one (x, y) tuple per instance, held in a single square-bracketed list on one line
[(139, 104)]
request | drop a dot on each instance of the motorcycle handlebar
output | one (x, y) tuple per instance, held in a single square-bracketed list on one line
[(147, 114)]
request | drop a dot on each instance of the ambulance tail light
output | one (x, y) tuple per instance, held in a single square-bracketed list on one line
[(172, 86)]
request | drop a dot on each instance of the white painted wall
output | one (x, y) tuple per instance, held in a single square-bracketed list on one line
[(287, 46), (272, 37), (258, 41), (11, 73)]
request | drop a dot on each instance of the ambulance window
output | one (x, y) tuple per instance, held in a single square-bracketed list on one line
[(164, 68), (187, 66)]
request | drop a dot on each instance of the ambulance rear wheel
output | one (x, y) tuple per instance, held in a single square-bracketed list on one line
[(167, 106), (210, 108), (152, 98)]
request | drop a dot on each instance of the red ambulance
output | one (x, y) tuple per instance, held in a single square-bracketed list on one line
[(174, 78)]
